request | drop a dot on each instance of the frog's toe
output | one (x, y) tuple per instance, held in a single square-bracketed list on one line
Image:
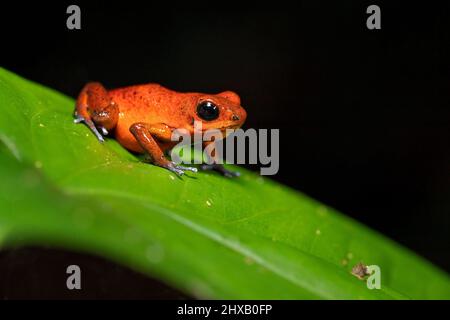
[(104, 131), (97, 134), (91, 126), (231, 174), (221, 169), (192, 169), (182, 168), (179, 172), (78, 119)]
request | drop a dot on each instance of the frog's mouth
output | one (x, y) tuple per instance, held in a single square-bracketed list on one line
[(226, 131), (232, 126)]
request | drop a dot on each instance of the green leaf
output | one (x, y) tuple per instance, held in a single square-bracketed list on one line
[(209, 236)]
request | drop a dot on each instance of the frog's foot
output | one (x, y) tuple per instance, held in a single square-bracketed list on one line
[(179, 170), (221, 169), (91, 126)]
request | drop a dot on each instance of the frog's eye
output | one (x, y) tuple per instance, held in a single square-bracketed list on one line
[(207, 110)]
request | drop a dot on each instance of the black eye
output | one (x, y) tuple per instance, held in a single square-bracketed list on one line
[(207, 110)]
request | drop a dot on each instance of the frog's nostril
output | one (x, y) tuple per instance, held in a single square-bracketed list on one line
[(235, 117)]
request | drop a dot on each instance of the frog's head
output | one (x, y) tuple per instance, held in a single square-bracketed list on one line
[(220, 111)]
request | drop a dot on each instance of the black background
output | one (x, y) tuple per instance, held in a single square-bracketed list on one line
[(364, 115)]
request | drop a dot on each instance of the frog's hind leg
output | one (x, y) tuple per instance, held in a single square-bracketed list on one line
[(95, 108)]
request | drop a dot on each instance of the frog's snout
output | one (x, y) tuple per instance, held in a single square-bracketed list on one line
[(239, 115)]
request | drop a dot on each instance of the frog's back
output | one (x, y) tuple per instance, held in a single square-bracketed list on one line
[(140, 99), (149, 103)]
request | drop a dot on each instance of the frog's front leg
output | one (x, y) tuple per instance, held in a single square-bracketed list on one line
[(146, 136), (214, 165), (95, 108)]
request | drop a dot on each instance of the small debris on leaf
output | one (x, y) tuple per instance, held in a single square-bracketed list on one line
[(360, 271)]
